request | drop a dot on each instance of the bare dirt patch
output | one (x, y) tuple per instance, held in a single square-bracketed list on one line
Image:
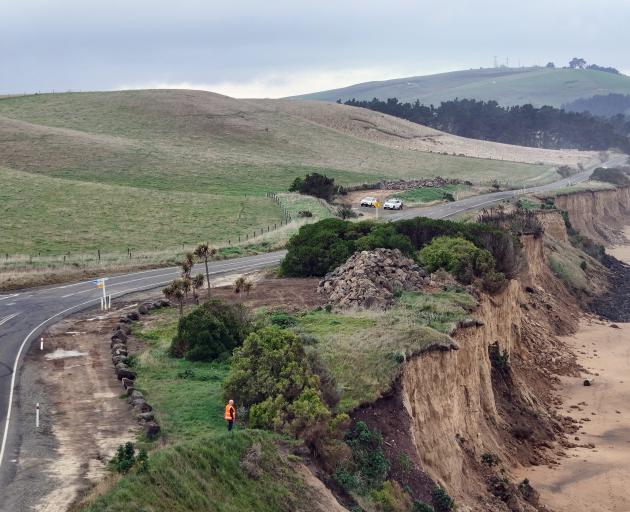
[(85, 415)]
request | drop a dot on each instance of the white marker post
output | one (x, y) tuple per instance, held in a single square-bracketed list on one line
[(37, 415), (100, 283), (41, 343)]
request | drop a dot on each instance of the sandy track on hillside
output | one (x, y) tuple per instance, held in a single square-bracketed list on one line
[(401, 134)]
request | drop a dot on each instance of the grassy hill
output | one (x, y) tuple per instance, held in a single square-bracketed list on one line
[(158, 168), (508, 86)]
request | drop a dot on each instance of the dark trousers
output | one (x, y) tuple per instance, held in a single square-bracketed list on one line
[(230, 425)]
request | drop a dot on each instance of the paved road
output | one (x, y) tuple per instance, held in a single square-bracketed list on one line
[(24, 315)]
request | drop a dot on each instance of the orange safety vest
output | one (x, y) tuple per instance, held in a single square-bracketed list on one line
[(230, 412)]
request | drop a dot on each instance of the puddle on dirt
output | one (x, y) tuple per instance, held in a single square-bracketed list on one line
[(63, 354)]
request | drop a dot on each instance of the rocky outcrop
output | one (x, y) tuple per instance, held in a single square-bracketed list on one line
[(370, 279)]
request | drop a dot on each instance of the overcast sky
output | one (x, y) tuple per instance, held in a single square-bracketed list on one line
[(248, 48)]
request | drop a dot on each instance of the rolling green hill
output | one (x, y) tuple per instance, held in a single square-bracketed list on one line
[(508, 86), (159, 168)]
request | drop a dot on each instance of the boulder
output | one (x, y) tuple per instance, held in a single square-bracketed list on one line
[(141, 405), (146, 416), (157, 304), (119, 335), (143, 309), (124, 320), (127, 384), (118, 358), (125, 373), (135, 395), (151, 430), (133, 316), (124, 328)]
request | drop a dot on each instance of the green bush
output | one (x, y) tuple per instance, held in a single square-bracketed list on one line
[(391, 498), (458, 256), (369, 467), (615, 176), (211, 331), (384, 236), (420, 506), (271, 377), (442, 502), (126, 458), (315, 184), (282, 319)]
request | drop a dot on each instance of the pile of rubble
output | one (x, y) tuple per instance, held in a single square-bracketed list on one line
[(370, 279), (428, 182)]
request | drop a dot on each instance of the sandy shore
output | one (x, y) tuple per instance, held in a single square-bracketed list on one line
[(622, 252), (594, 479)]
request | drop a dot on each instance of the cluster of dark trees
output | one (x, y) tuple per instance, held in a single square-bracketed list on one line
[(524, 125), (579, 63), (608, 105)]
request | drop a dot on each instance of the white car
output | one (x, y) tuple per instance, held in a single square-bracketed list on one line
[(393, 204), (369, 201)]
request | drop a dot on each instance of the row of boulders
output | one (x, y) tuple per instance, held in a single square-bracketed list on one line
[(419, 183), (371, 279), (126, 374)]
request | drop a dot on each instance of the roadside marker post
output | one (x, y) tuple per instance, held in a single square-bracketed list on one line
[(100, 283), (41, 343), (37, 415)]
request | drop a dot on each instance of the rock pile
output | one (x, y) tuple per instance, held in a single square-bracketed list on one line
[(369, 279), (127, 375), (420, 183)]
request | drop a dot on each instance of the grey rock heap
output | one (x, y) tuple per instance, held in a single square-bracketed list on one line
[(370, 279)]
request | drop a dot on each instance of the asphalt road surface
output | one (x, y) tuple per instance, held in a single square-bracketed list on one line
[(25, 315)]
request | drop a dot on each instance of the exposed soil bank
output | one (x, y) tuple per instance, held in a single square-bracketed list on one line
[(594, 479)]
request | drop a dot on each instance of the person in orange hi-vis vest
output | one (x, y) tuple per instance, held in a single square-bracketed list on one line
[(230, 415)]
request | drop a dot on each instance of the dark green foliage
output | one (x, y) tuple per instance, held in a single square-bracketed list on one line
[(519, 222), (305, 213), (458, 256), (211, 331), (282, 319), (318, 185), (489, 459), (346, 212), (615, 176), (420, 506), (583, 265), (497, 241), (609, 105), (369, 467), (583, 243), (500, 360), (126, 458), (449, 197), (524, 125), (442, 502), (270, 376), (319, 248)]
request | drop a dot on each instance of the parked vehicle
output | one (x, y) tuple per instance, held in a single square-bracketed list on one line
[(393, 204), (370, 202)]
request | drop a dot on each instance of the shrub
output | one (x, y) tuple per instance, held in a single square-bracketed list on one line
[(457, 256), (489, 459), (346, 212), (305, 213), (126, 458), (211, 331), (384, 236), (271, 377), (500, 360), (391, 498), (369, 467), (282, 319), (442, 502), (315, 184), (615, 176), (420, 506)]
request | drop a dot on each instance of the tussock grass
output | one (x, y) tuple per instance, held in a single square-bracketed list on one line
[(364, 350), (204, 473)]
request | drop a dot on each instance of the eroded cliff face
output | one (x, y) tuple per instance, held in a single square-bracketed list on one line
[(461, 408), (598, 215)]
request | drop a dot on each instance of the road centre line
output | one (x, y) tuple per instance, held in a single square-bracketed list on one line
[(7, 318)]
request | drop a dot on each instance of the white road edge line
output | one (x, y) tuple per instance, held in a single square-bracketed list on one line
[(17, 357), (5, 297)]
